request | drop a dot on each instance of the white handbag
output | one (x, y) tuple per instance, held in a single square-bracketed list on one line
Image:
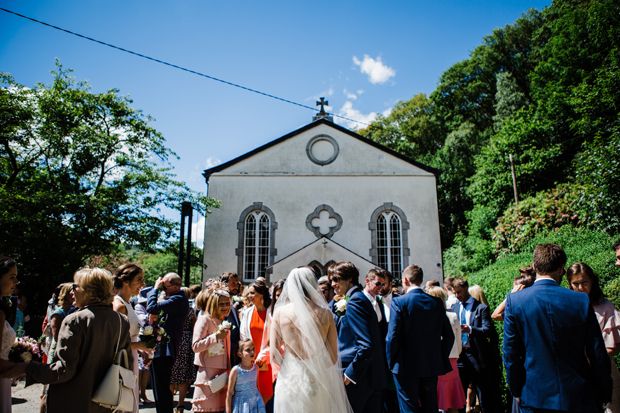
[(116, 391), (217, 383)]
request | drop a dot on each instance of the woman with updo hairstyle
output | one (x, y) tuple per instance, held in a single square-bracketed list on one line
[(128, 281), (254, 325), (211, 346), (86, 347), (583, 279)]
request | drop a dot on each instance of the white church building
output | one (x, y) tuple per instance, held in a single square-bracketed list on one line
[(316, 196)]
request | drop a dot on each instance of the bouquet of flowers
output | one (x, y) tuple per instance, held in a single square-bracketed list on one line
[(153, 332), (237, 301), (25, 349)]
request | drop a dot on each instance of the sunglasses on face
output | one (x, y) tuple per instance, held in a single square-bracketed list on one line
[(74, 286), (378, 283)]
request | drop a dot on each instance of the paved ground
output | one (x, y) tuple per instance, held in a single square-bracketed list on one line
[(27, 400)]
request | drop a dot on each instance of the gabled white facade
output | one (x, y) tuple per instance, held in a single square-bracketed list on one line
[(321, 180)]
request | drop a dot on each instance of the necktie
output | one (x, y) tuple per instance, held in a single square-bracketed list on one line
[(464, 336)]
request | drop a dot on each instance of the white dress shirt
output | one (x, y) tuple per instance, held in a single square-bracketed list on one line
[(374, 303), (387, 302), (467, 306)]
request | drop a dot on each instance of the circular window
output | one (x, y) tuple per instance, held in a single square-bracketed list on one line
[(322, 149)]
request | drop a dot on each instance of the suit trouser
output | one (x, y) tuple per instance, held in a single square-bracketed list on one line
[(161, 372), (416, 395), (484, 380), (364, 401)]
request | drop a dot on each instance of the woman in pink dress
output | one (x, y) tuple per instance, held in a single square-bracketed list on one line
[(450, 394), (212, 347), (582, 278)]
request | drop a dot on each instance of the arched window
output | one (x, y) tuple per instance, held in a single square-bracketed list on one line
[(389, 242), (389, 238), (256, 245), (256, 241)]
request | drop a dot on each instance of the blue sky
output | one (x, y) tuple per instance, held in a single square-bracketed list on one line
[(362, 56)]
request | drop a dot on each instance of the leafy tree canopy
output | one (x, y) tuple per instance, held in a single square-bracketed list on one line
[(80, 173)]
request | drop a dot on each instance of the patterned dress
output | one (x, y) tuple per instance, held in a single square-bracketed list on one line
[(184, 370), (247, 399)]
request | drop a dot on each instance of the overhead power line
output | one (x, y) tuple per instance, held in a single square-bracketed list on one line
[(175, 66)]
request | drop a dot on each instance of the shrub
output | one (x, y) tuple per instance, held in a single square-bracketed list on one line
[(580, 244)]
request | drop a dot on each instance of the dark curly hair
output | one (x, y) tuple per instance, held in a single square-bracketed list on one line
[(262, 289)]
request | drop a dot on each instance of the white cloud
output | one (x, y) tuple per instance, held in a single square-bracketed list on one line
[(350, 95), (387, 112), (212, 161), (359, 92), (348, 111), (375, 69)]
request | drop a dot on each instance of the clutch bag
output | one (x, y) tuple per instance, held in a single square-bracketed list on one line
[(218, 382)]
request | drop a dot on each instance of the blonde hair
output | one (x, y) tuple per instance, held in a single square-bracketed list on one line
[(96, 283), (64, 294), (201, 300), (185, 291), (477, 292), (212, 308), (438, 292)]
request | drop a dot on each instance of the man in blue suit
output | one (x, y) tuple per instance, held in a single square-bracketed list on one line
[(361, 344), (479, 362), (546, 328), (175, 308), (418, 344)]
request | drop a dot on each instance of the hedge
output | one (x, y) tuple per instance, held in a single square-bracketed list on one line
[(580, 244)]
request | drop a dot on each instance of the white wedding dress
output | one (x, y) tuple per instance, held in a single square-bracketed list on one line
[(304, 343), (8, 338)]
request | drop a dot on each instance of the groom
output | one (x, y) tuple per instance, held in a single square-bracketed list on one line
[(360, 322)]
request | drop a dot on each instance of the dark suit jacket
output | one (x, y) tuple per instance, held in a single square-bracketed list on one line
[(482, 338), (235, 336), (175, 309), (361, 344), (546, 328), (419, 337)]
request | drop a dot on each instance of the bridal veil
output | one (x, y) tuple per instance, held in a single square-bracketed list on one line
[(304, 343)]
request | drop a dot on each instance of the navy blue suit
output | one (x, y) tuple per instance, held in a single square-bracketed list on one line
[(481, 362), (175, 310), (235, 336), (418, 345), (546, 328), (362, 350)]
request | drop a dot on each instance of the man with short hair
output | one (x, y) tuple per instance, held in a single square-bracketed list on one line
[(231, 283), (326, 290), (479, 360), (616, 248), (447, 285), (419, 341), (361, 343), (546, 330), (174, 308), (432, 283)]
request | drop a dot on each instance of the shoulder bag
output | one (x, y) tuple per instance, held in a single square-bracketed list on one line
[(116, 391)]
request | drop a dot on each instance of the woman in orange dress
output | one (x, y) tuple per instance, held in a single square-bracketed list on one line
[(255, 323)]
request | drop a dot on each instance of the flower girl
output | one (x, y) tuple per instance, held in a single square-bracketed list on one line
[(243, 395)]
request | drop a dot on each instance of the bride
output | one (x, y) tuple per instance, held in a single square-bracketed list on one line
[(304, 343)]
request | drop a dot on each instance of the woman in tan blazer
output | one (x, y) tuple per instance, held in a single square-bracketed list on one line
[(212, 348), (86, 344)]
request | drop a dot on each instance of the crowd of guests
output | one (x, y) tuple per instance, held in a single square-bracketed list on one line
[(404, 345)]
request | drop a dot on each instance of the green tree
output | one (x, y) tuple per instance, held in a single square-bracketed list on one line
[(80, 173)]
